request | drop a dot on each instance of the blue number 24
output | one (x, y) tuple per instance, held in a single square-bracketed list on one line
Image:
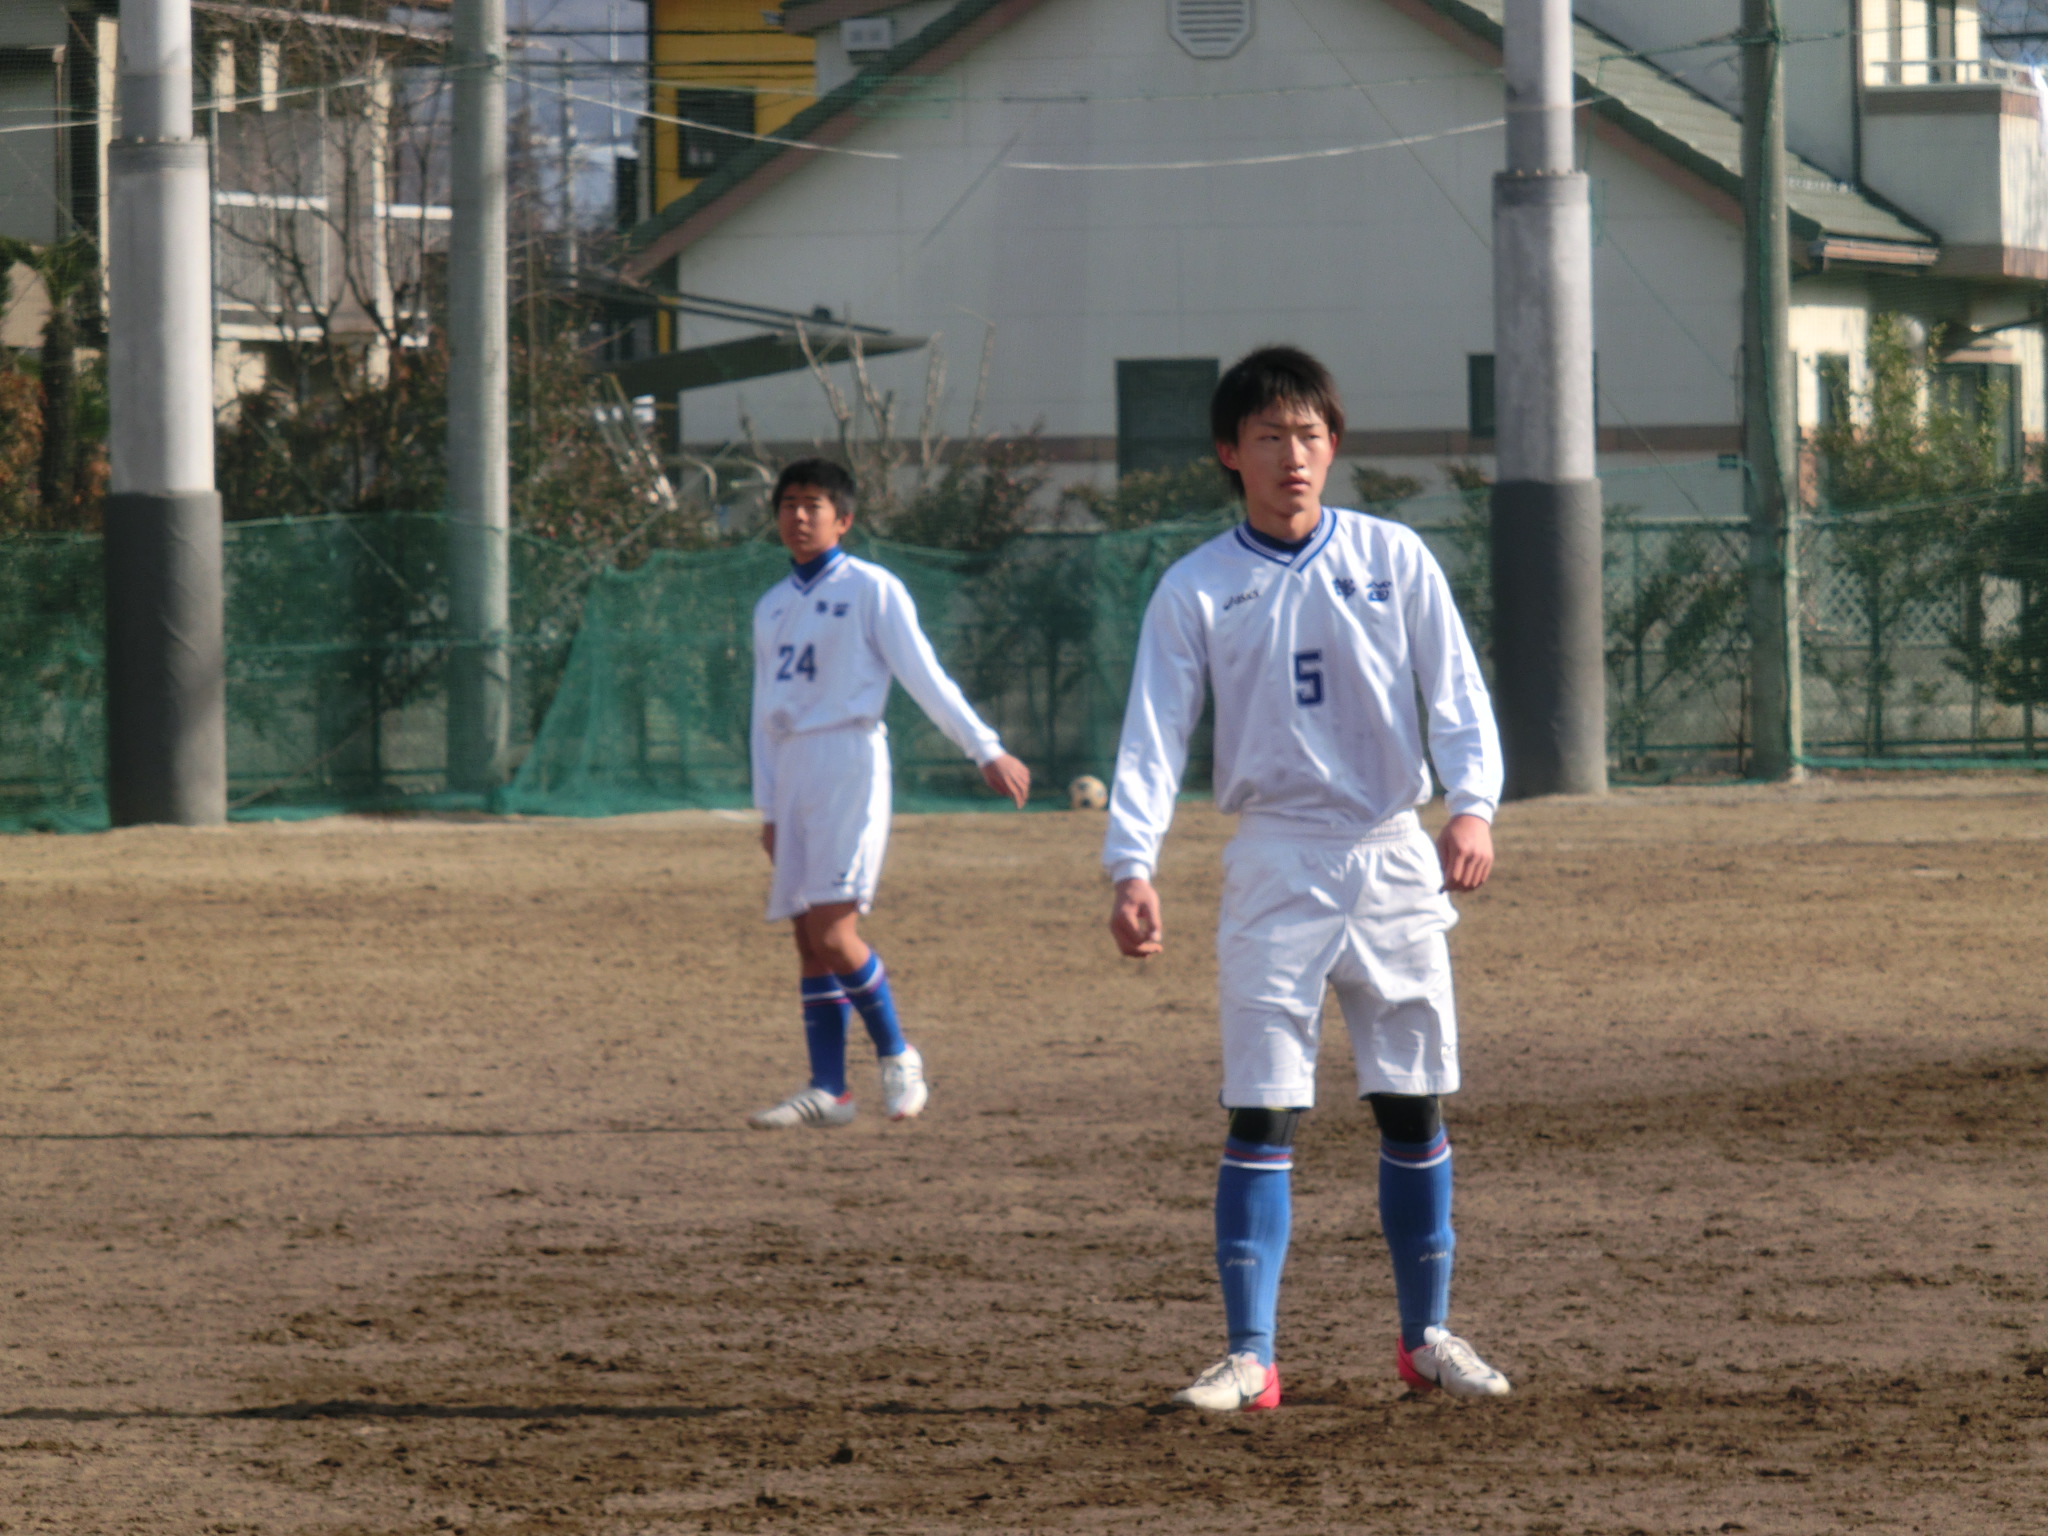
[(1308, 677), (807, 663)]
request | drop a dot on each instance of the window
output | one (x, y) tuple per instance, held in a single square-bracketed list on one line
[(1831, 391), (1991, 393), (702, 150), (1482, 417), (1479, 417), (1941, 38), (1162, 412)]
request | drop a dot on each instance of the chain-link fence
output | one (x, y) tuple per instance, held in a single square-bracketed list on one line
[(1925, 634)]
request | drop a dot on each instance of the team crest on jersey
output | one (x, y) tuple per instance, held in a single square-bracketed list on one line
[(1345, 586), (823, 605), (1378, 591)]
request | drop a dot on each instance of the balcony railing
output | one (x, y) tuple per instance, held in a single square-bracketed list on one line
[(2001, 72)]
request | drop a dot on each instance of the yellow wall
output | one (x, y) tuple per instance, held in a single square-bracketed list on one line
[(721, 43)]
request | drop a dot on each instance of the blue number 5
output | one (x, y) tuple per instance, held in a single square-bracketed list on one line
[(1308, 677)]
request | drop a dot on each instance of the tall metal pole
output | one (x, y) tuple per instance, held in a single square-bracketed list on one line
[(1769, 429), (166, 668), (1549, 666), (479, 506)]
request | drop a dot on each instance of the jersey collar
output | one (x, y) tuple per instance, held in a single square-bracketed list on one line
[(1326, 528), (811, 572)]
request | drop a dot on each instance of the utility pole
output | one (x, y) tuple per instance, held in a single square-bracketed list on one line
[(166, 660), (1769, 430), (1549, 663), (479, 509)]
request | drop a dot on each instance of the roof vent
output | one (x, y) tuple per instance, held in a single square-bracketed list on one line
[(1209, 29)]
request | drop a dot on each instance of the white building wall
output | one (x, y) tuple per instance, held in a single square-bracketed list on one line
[(1379, 261)]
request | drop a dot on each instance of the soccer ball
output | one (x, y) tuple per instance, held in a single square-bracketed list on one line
[(1087, 793)]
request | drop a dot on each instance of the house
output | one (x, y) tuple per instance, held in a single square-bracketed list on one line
[(717, 65), (1130, 194)]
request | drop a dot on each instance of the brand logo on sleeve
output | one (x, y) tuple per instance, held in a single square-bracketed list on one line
[(1378, 591), (839, 610), (1242, 597)]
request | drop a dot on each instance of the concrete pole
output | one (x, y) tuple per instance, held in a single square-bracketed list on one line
[(1769, 427), (166, 661), (1549, 663), (479, 499)]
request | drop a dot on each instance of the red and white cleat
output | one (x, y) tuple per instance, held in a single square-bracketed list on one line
[(1233, 1384), (1447, 1361)]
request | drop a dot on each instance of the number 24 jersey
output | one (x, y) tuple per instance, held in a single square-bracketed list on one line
[(825, 650)]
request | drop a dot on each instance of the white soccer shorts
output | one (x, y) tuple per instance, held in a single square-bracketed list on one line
[(1365, 917), (831, 816)]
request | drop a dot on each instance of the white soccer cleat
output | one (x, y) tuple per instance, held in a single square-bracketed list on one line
[(1447, 1361), (809, 1106), (1234, 1383), (903, 1086)]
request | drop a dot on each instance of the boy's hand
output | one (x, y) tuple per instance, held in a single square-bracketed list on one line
[(1006, 776), (768, 840), (1465, 848), (1134, 920)]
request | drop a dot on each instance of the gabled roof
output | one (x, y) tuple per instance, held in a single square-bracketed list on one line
[(826, 121), (1697, 133), (1642, 110)]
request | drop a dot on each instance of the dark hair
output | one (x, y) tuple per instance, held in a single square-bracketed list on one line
[(819, 474), (1270, 376)]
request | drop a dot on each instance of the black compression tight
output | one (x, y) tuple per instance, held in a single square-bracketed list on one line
[(1407, 1117)]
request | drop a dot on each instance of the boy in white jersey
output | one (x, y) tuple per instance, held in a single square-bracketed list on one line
[(1316, 629), (828, 639)]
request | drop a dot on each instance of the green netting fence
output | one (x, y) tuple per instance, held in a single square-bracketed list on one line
[(1925, 631)]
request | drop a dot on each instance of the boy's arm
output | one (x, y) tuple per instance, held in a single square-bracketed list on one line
[(1167, 682), (916, 666), (1463, 741)]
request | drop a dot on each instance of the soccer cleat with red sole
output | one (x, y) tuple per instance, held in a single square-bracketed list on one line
[(1447, 1361), (1234, 1384)]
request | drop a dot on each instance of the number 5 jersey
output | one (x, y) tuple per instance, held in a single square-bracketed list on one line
[(1317, 656)]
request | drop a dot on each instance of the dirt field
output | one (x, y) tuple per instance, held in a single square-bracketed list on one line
[(380, 1177)]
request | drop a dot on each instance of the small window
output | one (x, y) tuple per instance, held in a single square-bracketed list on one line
[(1482, 412), (700, 150), (1209, 29), (1479, 417), (1990, 392), (1162, 412), (1832, 400)]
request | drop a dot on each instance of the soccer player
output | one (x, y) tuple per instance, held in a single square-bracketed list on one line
[(827, 640), (1316, 630)]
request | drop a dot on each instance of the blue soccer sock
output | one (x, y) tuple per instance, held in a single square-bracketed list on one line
[(1254, 1210), (868, 990), (1415, 1213), (826, 1016)]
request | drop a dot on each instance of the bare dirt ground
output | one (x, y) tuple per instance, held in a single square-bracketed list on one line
[(380, 1177)]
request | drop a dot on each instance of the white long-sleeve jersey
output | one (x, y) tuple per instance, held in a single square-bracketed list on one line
[(825, 650), (1316, 659)]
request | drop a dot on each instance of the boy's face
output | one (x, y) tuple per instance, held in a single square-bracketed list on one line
[(809, 523), (1283, 454)]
